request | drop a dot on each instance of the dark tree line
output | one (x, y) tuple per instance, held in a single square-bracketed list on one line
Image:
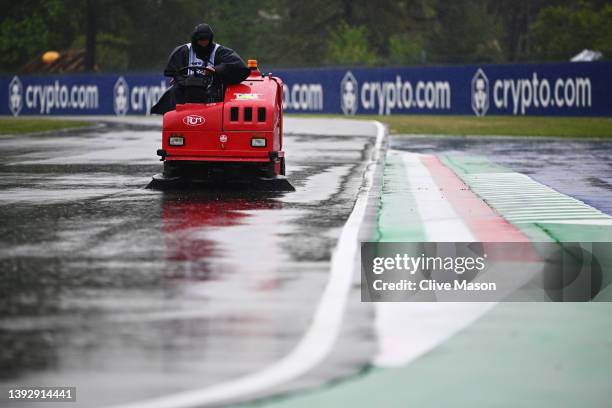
[(139, 34)]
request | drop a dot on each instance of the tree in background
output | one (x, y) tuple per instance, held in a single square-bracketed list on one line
[(30, 27), (138, 35), (464, 31), (303, 30), (247, 26), (515, 17), (560, 32), (350, 45), (406, 49)]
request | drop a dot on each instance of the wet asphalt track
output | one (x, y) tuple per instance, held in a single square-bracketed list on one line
[(128, 293)]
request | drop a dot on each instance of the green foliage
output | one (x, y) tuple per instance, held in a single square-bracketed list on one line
[(350, 46), (18, 126), (561, 32), (406, 49), (26, 32), (247, 26), (111, 50), (464, 31), (140, 34), (301, 37), (490, 126)]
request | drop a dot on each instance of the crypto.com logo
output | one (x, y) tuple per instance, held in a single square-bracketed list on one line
[(480, 93), (348, 94), (120, 97), (15, 96)]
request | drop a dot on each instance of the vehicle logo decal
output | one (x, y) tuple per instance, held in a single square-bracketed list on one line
[(246, 96), (194, 120)]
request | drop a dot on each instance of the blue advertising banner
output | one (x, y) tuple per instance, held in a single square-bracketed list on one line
[(568, 89), (80, 94)]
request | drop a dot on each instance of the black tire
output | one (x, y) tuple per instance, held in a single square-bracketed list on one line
[(282, 166)]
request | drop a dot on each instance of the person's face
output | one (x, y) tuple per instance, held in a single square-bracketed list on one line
[(203, 42)]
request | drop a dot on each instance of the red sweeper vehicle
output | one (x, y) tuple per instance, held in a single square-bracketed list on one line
[(236, 141)]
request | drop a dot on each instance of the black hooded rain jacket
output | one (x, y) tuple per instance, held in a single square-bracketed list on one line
[(229, 67)]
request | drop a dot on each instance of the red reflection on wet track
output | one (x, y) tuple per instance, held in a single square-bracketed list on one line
[(186, 219)]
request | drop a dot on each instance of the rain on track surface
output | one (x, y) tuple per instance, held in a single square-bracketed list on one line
[(129, 293)]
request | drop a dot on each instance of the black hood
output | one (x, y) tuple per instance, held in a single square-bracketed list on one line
[(202, 31)]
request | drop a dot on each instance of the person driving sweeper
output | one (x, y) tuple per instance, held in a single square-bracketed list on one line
[(200, 58)]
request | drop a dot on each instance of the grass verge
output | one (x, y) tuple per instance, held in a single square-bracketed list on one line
[(17, 126), (572, 127)]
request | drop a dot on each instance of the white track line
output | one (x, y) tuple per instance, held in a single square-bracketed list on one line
[(582, 222), (322, 332)]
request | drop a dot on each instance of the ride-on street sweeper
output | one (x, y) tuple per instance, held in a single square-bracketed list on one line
[(234, 139)]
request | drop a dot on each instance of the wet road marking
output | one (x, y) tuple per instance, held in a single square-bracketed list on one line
[(583, 222), (440, 221), (486, 224), (397, 216), (544, 204), (521, 190), (321, 334)]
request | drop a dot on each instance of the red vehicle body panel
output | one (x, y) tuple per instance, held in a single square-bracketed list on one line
[(222, 131)]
